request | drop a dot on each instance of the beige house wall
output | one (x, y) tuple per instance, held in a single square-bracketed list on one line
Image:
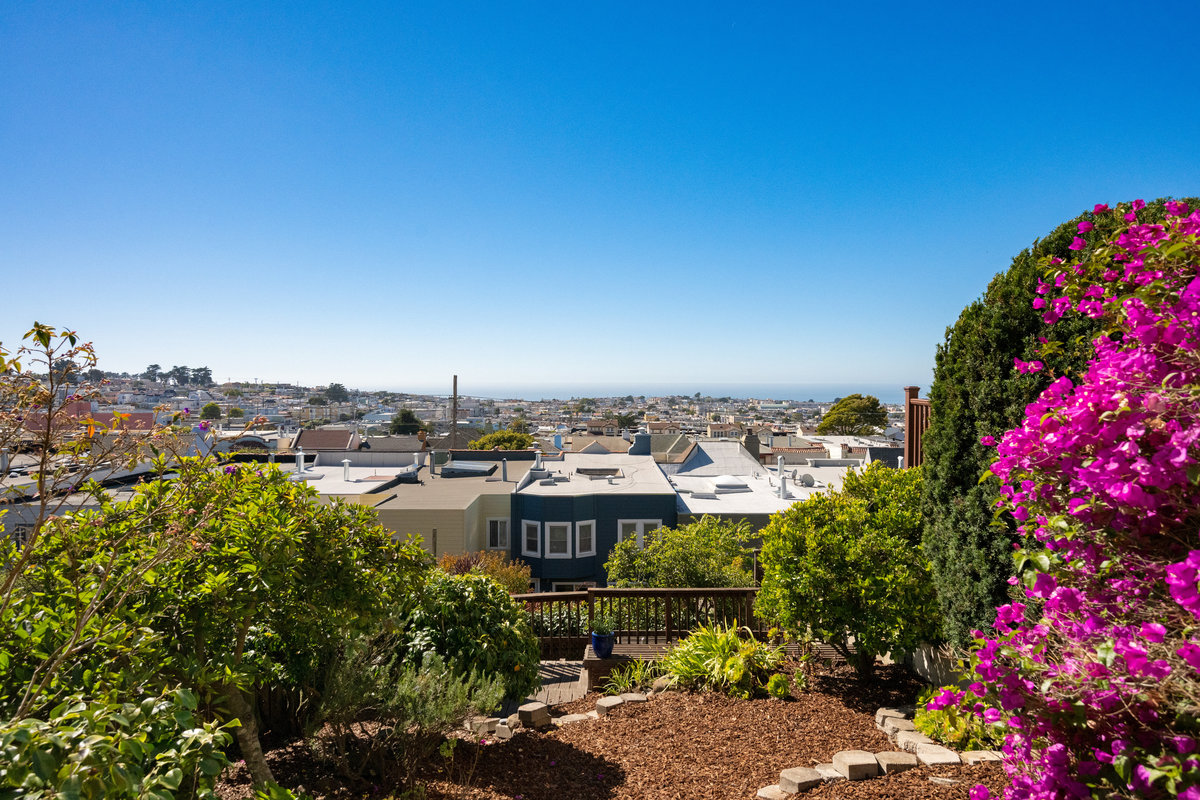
[(442, 530), (486, 507)]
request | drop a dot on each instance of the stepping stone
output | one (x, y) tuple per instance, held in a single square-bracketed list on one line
[(606, 704), (934, 755), (633, 697), (772, 792), (910, 740), (514, 721), (973, 757), (893, 725), (531, 712), (799, 779), (940, 781), (592, 715), (569, 718), (503, 731), (829, 773), (856, 764), (892, 762), (883, 713)]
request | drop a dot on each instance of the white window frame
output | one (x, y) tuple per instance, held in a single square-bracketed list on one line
[(525, 551), (579, 551), (566, 526), (643, 525), (507, 540), (571, 586)]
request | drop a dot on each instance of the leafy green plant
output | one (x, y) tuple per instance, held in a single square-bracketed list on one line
[(847, 565), (92, 748), (708, 553), (779, 687), (603, 624), (720, 659), (386, 717), (635, 676), (957, 718), (471, 622), (513, 575)]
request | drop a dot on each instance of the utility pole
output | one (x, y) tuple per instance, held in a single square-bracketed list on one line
[(454, 416)]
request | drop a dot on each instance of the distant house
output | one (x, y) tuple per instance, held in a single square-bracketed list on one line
[(326, 439), (668, 427), (569, 515), (603, 427), (724, 430)]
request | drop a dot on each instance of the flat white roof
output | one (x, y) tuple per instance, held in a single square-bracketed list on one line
[(599, 473)]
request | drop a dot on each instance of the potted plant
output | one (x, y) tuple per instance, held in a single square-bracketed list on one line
[(603, 637)]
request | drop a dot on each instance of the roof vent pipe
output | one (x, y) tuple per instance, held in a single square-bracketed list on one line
[(416, 459), (782, 486), (432, 462), (3, 461), (346, 470), (504, 470), (299, 460), (537, 459)]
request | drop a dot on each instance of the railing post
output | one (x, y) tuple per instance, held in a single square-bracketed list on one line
[(669, 621), (591, 608)]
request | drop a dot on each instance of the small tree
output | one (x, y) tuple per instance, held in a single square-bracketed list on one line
[(848, 565), (502, 440), (210, 411), (405, 423), (855, 415), (519, 425), (336, 393), (707, 553), (236, 413)]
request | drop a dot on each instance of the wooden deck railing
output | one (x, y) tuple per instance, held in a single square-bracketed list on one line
[(563, 620)]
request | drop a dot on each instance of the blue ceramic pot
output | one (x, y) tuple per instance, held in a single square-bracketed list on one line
[(602, 644)]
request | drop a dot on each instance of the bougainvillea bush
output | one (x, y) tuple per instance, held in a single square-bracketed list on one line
[(1097, 673)]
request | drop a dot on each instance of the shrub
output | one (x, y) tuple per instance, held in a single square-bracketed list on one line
[(385, 718), (707, 553), (502, 440), (977, 392), (869, 530), (512, 575), (720, 659), (472, 623), (1099, 669)]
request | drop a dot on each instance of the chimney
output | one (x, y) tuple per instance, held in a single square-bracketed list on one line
[(641, 445), (751, 443)]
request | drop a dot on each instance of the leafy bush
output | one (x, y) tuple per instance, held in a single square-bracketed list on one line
[(603, 624), (720, 659), (977, 392), (847, 565), (91, 748), (959, 718), (635, 676), (707, 553), (513, 575), (502, 440), (1099, 669), (472, 623), (385, 718)]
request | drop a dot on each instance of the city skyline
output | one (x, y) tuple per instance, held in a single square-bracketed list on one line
[(545, 196)]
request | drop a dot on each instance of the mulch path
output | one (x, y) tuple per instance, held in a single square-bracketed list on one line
[(678, 745)]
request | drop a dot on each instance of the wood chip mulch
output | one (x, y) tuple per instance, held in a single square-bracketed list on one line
[(677, 745)]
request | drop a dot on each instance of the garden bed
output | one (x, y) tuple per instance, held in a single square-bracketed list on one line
[(677, 745)]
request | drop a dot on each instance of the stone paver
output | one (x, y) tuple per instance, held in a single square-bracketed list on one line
[(534, 715), (910, 740), (892, 762), (940, 781), (772, 792), (856, 765), (567, 719), (503, 731), (978, 756), (633, 697), (829, 773), (933, 755), (593, 714), (606, 704), (883, 714), (893, 725), (799, 779)]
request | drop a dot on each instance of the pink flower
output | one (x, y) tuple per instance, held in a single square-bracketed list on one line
[(1085, 226), (987, 440), (1077, 244), (1100, 208)]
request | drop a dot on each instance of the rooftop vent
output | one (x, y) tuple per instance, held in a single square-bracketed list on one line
[(466, 469)]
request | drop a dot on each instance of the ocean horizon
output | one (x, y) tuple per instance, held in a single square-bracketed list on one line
[(818, 392)]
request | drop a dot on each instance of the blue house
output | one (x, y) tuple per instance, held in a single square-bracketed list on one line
[(568, 514)]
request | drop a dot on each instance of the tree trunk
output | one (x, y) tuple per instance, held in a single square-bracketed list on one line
[(247, 736)]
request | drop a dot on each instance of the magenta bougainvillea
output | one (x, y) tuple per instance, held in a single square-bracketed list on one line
[(1097, 672)]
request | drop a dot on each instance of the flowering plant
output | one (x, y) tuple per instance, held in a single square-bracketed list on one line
[(960, 718), (1098, 670)]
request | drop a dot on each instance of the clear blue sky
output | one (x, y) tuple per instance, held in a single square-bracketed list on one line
[(563, 192)]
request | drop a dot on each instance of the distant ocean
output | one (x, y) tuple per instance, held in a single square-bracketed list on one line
[(820, 392)]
